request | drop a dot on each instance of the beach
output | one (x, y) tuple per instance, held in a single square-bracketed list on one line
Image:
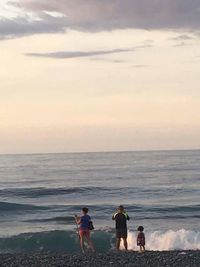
[(149, 258)]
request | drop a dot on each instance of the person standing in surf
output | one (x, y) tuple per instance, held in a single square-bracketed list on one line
[(120, 218), (141, 238), (84, 223)]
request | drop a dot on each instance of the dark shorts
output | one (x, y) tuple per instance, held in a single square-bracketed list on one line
[(121, 233)]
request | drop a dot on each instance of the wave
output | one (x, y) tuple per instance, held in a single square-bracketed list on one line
[(33, 192), (104, 211), (10, 207), (57, 219), (42, 191), (104, 240), (169, 217), (67, 241), (168, 240)]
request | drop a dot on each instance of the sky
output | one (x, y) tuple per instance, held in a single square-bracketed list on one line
[(99, 75)]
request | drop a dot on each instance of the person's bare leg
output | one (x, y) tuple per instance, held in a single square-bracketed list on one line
[(125, 243), (118, 243), (90, 243), (82, 243)]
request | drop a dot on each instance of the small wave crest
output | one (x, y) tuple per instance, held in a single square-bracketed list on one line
[(42, 191), (10, 207), (58, 219)]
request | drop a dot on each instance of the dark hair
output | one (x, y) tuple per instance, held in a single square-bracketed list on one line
[(85, 210), (121, 207), (140, 228)]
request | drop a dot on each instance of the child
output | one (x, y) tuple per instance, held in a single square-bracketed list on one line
[(141, 239)]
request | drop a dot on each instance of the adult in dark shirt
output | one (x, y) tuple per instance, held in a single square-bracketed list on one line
[(121, 218)]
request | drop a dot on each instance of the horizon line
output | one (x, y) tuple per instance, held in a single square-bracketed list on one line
[(106, 151)]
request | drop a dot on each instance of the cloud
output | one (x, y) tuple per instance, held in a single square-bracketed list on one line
[(98, 15), (78, 54), (109, 60), (182, 37), (18, 27), (112, 14), (138, 66)]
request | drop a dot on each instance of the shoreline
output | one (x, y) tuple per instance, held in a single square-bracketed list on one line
[(180, 258)]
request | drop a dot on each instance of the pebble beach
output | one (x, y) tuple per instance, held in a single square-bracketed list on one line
[(149, 258)]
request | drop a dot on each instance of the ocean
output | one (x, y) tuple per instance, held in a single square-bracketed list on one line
[(41, 193)]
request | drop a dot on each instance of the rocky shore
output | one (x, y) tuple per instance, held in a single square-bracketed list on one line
[(149, 258)]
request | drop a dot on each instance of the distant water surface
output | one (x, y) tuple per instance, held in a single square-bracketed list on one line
[(40, 193)]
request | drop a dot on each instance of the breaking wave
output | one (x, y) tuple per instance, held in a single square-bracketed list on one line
[(104, 240), (168, 240)]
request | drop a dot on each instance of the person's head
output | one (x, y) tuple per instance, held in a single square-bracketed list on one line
[(121, 208), (85, 210), (140, 228)]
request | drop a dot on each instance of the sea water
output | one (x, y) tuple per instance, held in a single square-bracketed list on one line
[(41, 193)]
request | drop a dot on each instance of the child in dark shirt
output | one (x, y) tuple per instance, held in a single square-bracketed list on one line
[(141, 239)]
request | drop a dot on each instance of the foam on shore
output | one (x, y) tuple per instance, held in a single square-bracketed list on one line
[(168, 240)]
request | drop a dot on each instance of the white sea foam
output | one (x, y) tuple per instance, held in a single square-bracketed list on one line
[(169, 240)]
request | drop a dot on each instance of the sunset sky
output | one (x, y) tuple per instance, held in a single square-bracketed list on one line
[(99, 75)]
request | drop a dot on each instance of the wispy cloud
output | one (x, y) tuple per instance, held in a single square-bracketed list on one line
[(109, 60), (98, 15), (138, 66), (78, 54), (182, 37)]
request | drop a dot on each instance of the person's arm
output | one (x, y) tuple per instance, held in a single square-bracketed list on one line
[(138, 239), (78, 219), (126, 215), (144, 237)]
